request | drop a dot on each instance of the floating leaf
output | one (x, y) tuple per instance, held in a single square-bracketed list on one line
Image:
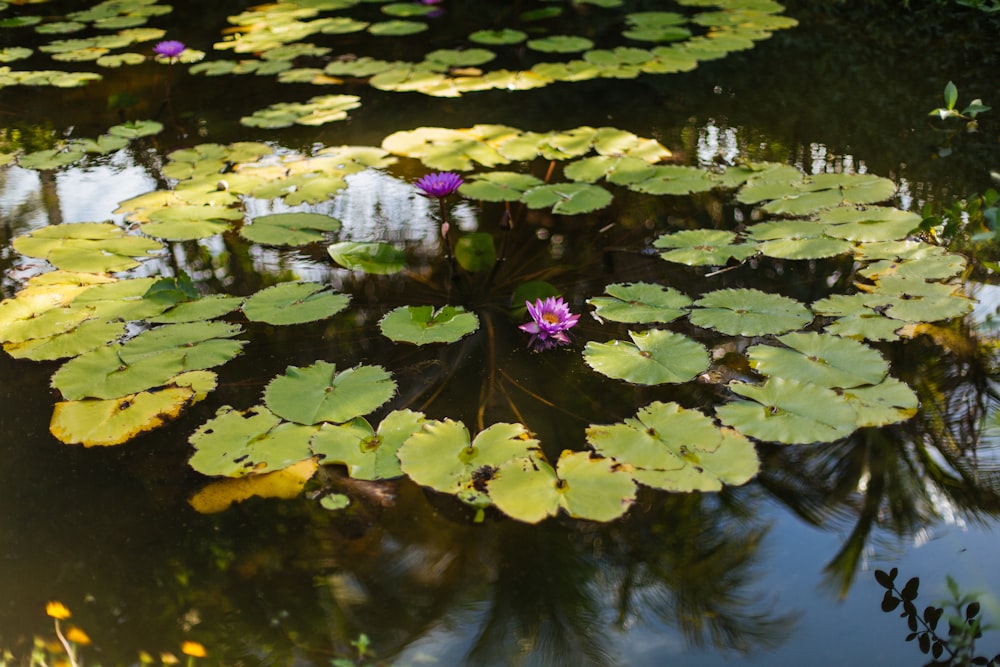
[(396, 28), (367, 454), (190, 223), (875, 223), (441, 456), (568, 198), (674, 179), (828, 361), (595, 489), (86, 336), (787, 411), (421, 325), (888, 402), (655, 356), (749, 312), (372, 258), (675, 449), (286, 483), (204, 308), (233, 443), (318, 393), (499, 186), (289, 229), (640, 303), (93, 422), (703, 247), (294, 303), (500, 36), (52, 158), (87, 247), (560, 44)]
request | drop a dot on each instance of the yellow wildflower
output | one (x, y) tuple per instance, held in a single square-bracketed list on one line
[(57, 610), (193, 649)]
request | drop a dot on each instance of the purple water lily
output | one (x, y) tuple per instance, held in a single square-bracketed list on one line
[(550, 320), (440, 184), (170, 48)]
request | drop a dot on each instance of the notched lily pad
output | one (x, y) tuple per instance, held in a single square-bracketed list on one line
[(636, 303), (653, 357), (749, 312), (318, 393), (368, 454), (294, 303), (289, 229), (421, 325)]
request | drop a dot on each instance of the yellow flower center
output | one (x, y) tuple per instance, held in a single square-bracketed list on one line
[(551, 318)]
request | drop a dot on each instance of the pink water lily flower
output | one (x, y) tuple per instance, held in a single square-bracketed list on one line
[(551, 319)]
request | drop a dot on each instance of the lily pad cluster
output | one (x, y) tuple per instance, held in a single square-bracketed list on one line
[(651, 42), (95, 35)]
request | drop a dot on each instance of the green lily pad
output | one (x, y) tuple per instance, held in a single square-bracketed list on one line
[(888, 402), (672, 179), (655, 356), (828, 361), (568, 198), (190, 223), (318, 393), (147, 361), (372, 258), (499, 36), (135, 129), (790, 412), (749, 312), (421, 325), (640, 303), (234, 444), (289, 229), (396, 28), (560, 44), (529, 490), (49, 159), (367, 454), (475, 252), (675, 449), (499, 186), (441, 456), (294, 303), (89, 247), (203, 308), (86, 336), (703, 247), (874, 223)]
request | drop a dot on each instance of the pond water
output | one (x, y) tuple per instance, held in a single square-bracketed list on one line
[(660, 505)]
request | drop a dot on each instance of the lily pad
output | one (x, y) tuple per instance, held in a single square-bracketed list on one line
[(568, 198), (440, 455), (87, 247), (372, 258), (653, 357), (828, 361), (560, 44), (367, 454), (888, 402), (422, 325), (788, 411), (499, 36), (749, 312), (234, 444), (95, 422), (676, 449), (294, 303), (586, 487), (499, 186), (318, 393), (288, 482), (703, 247), (639, 303), (289, 229)]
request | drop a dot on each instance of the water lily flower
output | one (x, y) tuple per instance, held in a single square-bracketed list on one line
[(170, 48), (551, 319), (440, 184)]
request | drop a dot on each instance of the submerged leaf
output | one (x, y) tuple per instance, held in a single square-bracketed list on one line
[(285, 483)]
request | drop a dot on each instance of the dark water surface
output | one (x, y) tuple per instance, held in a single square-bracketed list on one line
[(777, 572)]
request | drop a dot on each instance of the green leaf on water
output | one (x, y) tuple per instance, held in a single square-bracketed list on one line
[(294, 303), (788, 411), (874, 223), (749, 312), (440, 455), (203, 308), (676, 449), (318, 393), (396, 28), (655, 356), (234, 444), (50, 159), (289, 229), (560, 44), (888, 402), (367, 454), (372, 258), (820, 359), (499, 186), (89, 247), (640, 303), (86, 336), (528, 489), (703, 247), (499, 36), (135, 129), (422, 325), (568, 198), (190, 223)]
